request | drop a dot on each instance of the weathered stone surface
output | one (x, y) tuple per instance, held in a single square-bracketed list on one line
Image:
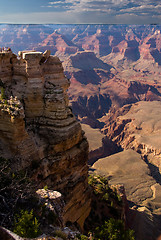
[(118, 167), (5, 234), (54, 202), (137, 126), (142, 191), (41, 127), (140, 129)]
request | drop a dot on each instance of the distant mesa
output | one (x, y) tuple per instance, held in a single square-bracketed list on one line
[(58, 44), (85, 60), (86, 68)]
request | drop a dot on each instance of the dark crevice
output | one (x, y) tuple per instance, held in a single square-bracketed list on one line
[(154, 170), (108, 148)]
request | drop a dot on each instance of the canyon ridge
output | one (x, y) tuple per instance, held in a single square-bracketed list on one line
[(115, 92)]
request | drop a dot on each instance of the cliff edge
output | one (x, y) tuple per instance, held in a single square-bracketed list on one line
[(38, 127)]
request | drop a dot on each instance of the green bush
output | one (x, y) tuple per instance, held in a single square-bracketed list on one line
[(46, 187), (106, 196), (92, 180), (103, 180), (113, 230), (26, 225), (3, 96), (83, 237), (119, 198), (98, 183)]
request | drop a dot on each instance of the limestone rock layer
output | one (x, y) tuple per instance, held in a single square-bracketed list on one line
[(37, 125)]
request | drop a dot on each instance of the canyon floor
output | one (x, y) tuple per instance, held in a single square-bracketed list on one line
[(143, 192), (137, 165)]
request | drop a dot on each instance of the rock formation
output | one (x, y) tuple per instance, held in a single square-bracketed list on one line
[(137, 129), (125, 70), (37, 126), (8, 235), (58, 44), (142, 191)]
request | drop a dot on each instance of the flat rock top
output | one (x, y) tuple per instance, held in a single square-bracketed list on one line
[(30, 54), (50, 194), (129, 169), (94, 137), (146, 122), (85, 60)]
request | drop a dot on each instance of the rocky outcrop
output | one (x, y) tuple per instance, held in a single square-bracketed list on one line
[(54, 203), (142, 191), (132, 51), (86, 73), (58, 44), (37, 126), (86, 68), (138, 128), (8, 235)]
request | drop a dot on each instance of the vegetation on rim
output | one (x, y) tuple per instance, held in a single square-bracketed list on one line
[(105, 220), (17, 201)]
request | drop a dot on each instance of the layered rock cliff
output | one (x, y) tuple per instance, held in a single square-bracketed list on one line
[(37, 126), (136, 128)]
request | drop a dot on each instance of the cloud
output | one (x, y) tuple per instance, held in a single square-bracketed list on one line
[(131, 18), (108, 6), (56, 2), (143, 10), (96, 11)]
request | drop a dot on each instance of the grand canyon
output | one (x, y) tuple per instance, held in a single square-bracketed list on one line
[(115, 93)]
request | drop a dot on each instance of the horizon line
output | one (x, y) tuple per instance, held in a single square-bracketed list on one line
[(78, 24)]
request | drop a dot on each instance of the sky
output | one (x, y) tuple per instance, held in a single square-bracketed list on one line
[(80, 11)]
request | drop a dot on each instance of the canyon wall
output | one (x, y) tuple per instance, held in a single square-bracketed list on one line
[(37, 128)]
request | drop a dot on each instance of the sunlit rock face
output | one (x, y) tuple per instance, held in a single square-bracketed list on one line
[(37, 125)]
